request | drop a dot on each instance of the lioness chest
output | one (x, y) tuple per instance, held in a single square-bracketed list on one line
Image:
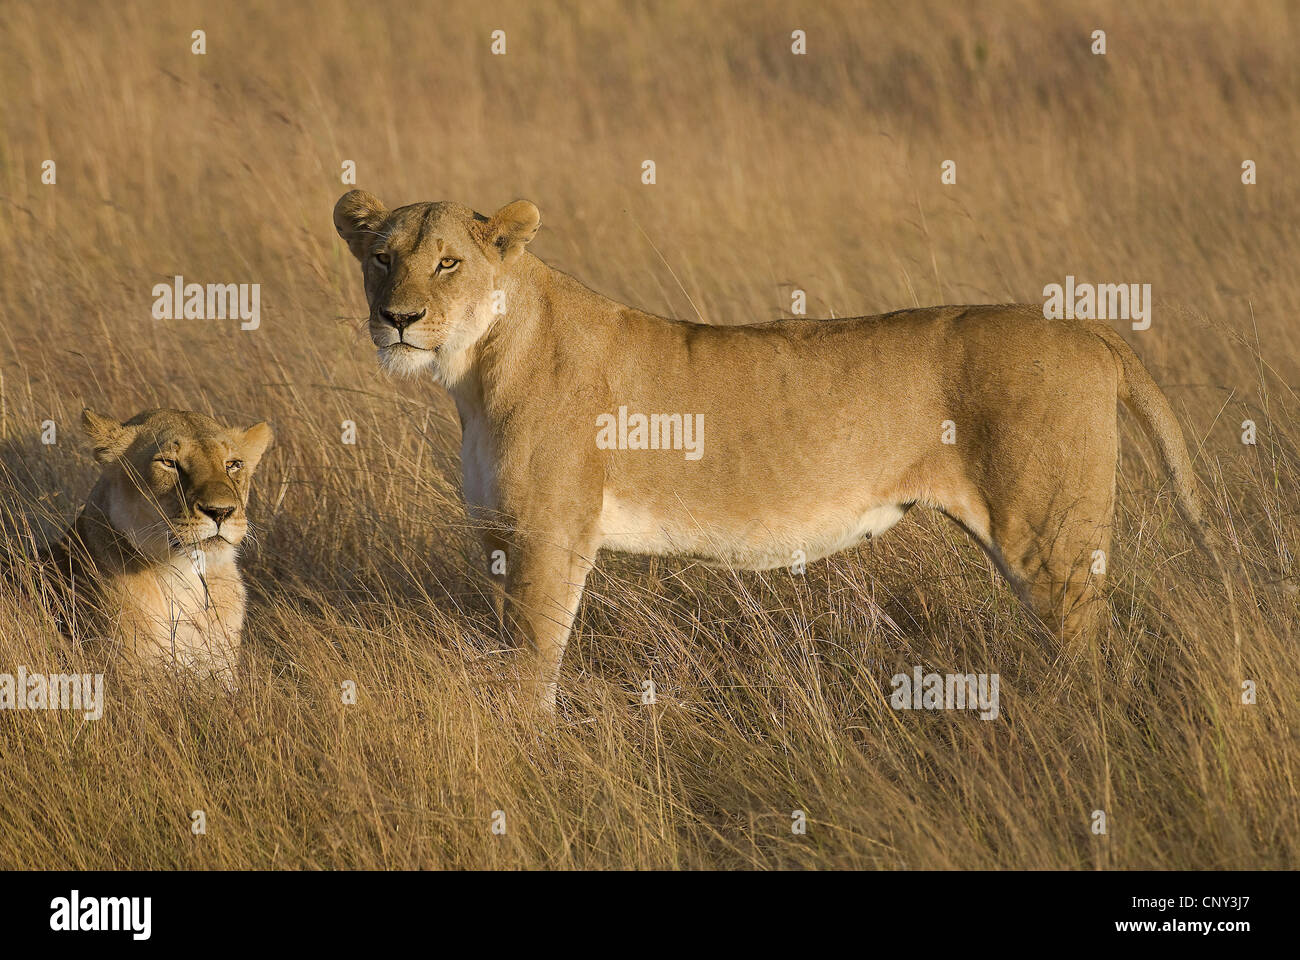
[(179, 611)]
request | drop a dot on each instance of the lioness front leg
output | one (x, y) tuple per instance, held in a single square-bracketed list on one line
[(544, 587), (496, 549)]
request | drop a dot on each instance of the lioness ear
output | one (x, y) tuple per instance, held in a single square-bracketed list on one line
[(108, 438), (254, 443), (357, 216), (510, 228)]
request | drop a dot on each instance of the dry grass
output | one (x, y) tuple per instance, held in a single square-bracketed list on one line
[(774, 171)]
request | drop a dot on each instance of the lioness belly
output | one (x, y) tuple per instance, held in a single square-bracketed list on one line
[(752, 543)]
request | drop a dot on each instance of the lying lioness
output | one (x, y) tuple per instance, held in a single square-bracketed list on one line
[(590, 424), (152, 554)]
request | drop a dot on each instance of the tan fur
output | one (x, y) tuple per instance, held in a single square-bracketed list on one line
[(151, 553), (817, 433)]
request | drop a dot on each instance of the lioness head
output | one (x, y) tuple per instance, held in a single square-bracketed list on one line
[(429, 271), (175, 481)]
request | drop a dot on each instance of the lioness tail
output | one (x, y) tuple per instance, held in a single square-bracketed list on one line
[(1149, 404)]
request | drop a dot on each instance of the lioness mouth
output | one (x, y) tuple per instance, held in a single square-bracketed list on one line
[(179, 544)]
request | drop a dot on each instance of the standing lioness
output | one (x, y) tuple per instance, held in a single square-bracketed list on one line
[(153, 552), (590, 424)]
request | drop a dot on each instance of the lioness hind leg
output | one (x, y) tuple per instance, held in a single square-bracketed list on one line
[(1051, 496), (1058, 570), (1070, 603)]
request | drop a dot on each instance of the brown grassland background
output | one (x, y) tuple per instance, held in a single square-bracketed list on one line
[(774, 172)]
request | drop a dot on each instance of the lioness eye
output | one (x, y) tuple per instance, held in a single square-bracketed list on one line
[(166, 462), (447, 263), (383, 259), (233, 466)]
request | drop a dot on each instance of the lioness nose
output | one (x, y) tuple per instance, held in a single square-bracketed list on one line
[(400, 320), (218, 514)]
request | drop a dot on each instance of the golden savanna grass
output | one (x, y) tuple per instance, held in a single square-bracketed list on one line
[(775, 172)]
